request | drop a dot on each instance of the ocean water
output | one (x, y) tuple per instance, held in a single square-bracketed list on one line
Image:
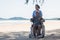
[(22, 21), (13, 22)]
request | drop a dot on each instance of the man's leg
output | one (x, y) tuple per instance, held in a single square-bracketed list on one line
[(39, 30)]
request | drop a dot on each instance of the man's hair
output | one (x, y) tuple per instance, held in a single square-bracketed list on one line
[(37, 6)]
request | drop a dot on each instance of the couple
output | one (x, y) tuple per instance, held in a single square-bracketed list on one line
[(37, 21)]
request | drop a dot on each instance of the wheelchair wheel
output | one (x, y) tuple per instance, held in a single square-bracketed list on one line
[(30, 36), (43, 31)]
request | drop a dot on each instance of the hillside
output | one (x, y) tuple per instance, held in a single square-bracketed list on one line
[(14, 18)]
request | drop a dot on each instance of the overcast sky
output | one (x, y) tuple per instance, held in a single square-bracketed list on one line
[(18, 8)]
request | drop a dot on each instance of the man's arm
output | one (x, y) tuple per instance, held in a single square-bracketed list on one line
[(40, 13), (33, 14)]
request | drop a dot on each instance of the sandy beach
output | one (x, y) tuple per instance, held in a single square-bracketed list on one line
[(17, 30)]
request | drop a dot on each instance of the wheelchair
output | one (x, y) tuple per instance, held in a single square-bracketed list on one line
[(42, 31)]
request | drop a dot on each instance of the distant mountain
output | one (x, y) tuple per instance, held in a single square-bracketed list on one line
[(18, 18), (2, 19), (14, 18), (21, 18), (53, 19)]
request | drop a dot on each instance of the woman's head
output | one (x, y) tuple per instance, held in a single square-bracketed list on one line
[(37, 7)]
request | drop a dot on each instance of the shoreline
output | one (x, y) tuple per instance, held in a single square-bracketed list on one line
[(8, 26)]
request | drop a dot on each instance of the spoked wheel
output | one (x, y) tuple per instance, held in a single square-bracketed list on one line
[(43, 31), (30, 36)]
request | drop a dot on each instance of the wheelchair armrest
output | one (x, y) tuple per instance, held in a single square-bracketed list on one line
[(31, 19)]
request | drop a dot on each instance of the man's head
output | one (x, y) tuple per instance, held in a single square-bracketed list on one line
[(37, 7)]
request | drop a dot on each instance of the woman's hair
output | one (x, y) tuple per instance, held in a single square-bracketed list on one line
[(37, 6)]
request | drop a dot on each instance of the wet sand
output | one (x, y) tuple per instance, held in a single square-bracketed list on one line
[(20, 31)]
